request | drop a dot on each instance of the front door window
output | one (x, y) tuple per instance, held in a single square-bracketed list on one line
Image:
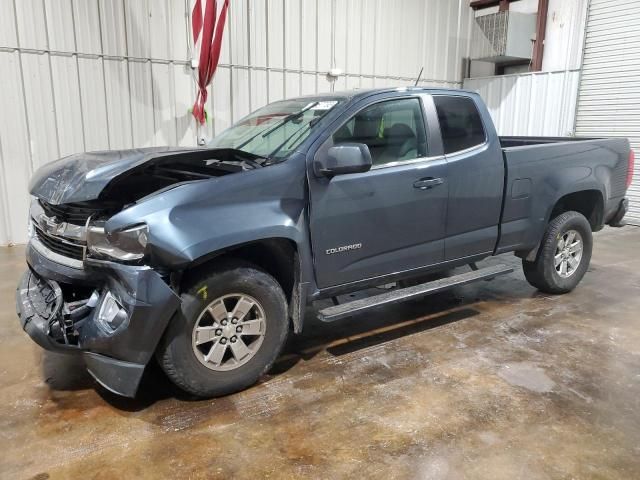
[(393, 130)]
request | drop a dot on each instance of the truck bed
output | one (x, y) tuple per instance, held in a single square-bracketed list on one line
[(515, 141), (541, 170)]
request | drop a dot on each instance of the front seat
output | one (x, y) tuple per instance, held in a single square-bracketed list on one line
[(401, 142)]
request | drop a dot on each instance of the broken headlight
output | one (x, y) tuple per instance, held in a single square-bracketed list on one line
[(125, 245)]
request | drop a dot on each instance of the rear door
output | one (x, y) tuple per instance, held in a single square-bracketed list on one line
[(476, 176), (391, 218)]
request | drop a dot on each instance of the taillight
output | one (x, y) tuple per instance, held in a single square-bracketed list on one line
[(632, 161)]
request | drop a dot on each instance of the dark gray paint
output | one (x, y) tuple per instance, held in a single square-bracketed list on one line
[(150, 304), (487, 200), (475, 195), (554, 170), (194, 220), (83, 176), (401, 227)]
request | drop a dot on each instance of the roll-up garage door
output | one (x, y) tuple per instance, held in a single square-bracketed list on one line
[(609, 95)]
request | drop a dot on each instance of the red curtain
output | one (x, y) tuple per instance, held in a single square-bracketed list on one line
[(208, 30)]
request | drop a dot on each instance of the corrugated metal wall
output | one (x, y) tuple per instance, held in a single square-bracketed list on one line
[(87, 75), (564, 36), (609, 101), (541, 103), (534, 104)]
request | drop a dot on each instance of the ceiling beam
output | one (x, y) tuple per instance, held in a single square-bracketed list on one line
[(503, 4)]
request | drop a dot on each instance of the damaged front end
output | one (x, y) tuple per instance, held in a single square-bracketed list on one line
[(96, 291), (114, 314), (107, 236), (116, 323)]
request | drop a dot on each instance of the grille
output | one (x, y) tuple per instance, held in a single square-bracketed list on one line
[(70, 212), (62, 247)]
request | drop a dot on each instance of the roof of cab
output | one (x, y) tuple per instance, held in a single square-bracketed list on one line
[(358, 94)]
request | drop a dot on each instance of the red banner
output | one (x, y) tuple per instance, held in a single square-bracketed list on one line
[(207, 32)]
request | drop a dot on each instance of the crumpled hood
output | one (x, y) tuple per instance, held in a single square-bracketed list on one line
[(83, 176)]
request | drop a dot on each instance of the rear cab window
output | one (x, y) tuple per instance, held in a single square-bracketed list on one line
[(460, 123)]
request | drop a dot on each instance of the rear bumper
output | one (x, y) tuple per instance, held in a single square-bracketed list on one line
[(618, 216), (116, 352)]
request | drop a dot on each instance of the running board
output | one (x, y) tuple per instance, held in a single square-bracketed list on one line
[(338, 312)]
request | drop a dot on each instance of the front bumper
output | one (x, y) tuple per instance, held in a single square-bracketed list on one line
[(115, 356)]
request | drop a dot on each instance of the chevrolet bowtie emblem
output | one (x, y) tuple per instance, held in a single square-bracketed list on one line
[(51, 225)]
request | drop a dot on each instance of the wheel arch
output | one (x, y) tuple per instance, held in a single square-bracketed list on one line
[(278, 256), (542, 271), (589, 202)]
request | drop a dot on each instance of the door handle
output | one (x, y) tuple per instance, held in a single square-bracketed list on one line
[(427, 183)]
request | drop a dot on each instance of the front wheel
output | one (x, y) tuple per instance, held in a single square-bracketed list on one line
[(564, 255), (230, 329)]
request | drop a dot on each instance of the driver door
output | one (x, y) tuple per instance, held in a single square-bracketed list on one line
[(391, 218)]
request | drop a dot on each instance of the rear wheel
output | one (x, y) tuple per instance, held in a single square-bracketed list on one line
[(564, 255), (230, 329)]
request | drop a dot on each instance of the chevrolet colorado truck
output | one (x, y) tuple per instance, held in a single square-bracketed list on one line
[(206, 258)]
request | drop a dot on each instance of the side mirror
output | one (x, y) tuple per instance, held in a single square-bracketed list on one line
[(342, 159)]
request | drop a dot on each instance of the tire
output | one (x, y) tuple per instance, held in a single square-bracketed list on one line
[(544, 273), (185, 362)]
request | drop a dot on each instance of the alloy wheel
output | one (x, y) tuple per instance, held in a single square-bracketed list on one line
[(229, 332)]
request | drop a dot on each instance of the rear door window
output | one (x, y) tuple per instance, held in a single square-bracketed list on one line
[(460, 123)]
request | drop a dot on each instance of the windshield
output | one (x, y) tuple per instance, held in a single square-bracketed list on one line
[(276, 130)]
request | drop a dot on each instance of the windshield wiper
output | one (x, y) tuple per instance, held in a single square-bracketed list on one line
[(284, 121), (288, 118), (242, 161), (252, 163), (298, 132)]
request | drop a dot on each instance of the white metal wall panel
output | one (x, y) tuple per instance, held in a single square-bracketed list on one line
[(66, 91), (221, 98), (8, 33), (257, 34), (14, 149), (91, 74), (564, 36), (116, 81), (369, 15), (32, 27), (163, 107), (38, 96), (179, 33), (60, 14), (94, 103), (86, 19), (112, 28), (141, 96), (609, 99), (324, 31), (292, 40), (274, 36), (159, 27), (534, 104)]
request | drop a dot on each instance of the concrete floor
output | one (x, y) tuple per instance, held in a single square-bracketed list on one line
[(492, 380)]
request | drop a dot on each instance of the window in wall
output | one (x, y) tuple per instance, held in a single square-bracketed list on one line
[(460, 123), (393, 130)]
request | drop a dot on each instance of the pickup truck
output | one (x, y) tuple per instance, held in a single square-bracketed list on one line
[(206, 258)]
